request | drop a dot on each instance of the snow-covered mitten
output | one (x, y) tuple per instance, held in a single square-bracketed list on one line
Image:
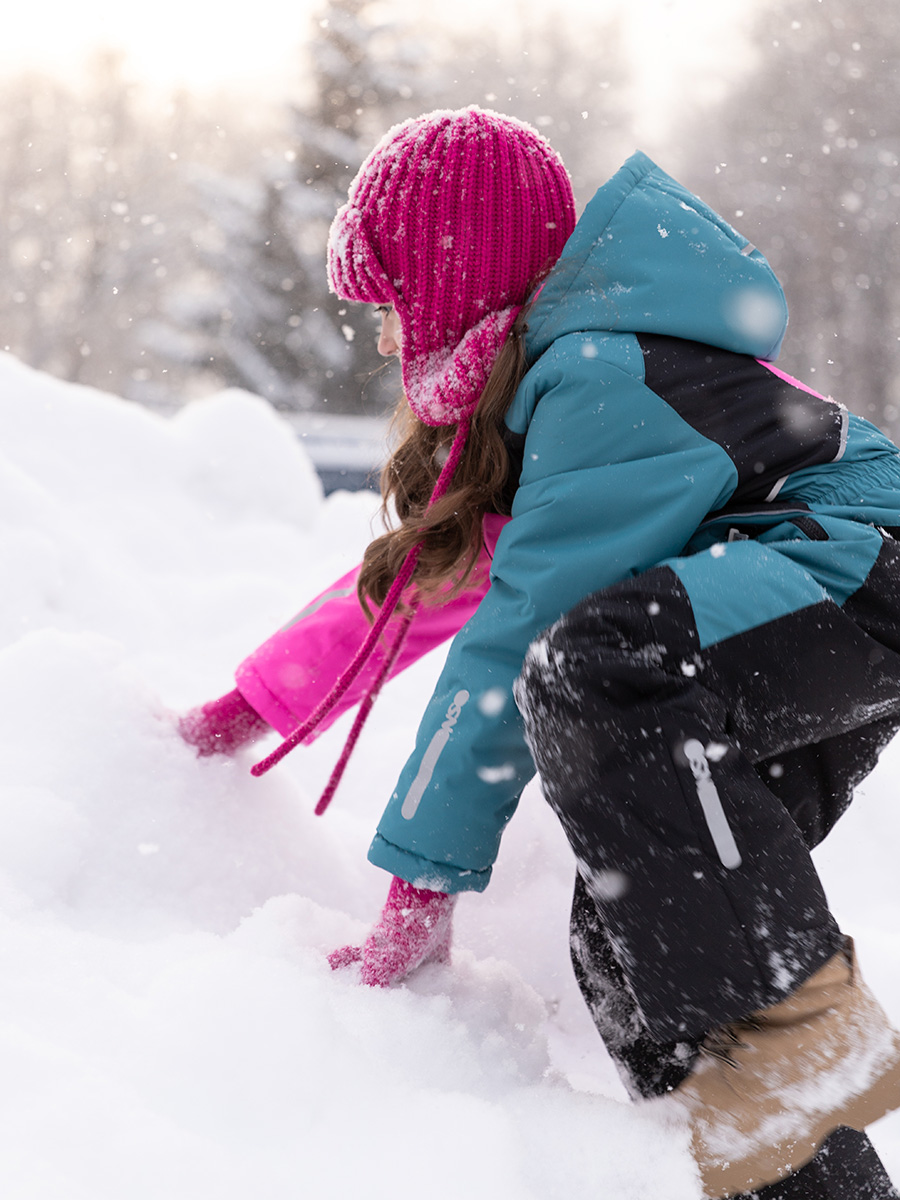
[(416, 927), (222, 726)]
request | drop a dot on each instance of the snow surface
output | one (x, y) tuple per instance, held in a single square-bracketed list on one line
[(169, 1026)]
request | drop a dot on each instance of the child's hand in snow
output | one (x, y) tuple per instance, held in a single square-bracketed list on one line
[(415, 928), (222, 726)]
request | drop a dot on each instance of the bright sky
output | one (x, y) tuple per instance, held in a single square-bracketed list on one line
[(197, 43), (253, 46)]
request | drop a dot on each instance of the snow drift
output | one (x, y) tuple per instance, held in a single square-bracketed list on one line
[(168, 1022)]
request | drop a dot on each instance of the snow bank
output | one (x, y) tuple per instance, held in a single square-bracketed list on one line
[(168, 1023)]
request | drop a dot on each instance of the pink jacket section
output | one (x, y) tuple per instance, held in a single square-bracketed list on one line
[(295, 669)]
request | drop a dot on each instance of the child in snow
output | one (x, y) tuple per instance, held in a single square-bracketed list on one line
[(672, 578)]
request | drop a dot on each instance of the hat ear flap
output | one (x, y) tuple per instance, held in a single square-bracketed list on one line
[(354, 272), (445, 386)]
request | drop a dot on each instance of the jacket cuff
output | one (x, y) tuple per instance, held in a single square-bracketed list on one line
[(422, 872), (259, 697)]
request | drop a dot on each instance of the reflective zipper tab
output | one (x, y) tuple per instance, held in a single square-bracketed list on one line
[(710, 802)]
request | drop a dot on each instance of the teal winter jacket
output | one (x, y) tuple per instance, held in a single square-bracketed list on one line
[(645, 418)]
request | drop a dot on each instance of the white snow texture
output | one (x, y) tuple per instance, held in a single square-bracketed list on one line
[(169, 1025)]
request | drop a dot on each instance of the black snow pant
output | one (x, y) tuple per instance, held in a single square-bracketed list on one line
[(692, 783)]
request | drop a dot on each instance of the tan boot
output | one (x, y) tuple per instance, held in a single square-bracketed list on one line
[(767, 1091)]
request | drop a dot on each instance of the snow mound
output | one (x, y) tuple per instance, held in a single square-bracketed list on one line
[(168, 1022)]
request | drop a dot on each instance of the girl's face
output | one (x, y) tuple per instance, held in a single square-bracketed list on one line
[(389, 338)]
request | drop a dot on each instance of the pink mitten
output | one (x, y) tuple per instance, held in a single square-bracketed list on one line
[(416, 927), (222, 726)]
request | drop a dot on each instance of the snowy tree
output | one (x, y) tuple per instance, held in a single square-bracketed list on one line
[(811, 146), (567, 79), (34, 197), (267, 321), (96, 224)]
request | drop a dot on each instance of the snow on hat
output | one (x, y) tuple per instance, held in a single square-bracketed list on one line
[(451, 219)]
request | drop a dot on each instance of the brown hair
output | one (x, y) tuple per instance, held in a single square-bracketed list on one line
[(451, 529)]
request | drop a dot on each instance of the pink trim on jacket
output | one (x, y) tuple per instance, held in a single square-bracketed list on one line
[(286, 678), (791, 380)]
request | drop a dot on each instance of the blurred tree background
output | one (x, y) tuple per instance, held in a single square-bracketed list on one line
[(809, 141), (163, 251)]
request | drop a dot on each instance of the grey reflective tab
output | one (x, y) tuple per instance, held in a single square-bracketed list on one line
[(431, 756), (707, 792), (337, 594)]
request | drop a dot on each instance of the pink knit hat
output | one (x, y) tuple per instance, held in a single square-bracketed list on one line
[(451, 219)]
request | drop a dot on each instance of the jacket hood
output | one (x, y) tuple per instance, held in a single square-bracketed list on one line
[(648, 256)]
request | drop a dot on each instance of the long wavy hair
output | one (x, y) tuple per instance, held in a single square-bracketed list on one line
[(451, 529)]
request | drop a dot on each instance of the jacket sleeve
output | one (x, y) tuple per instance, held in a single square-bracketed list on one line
[(613, 482), (288, 675)]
